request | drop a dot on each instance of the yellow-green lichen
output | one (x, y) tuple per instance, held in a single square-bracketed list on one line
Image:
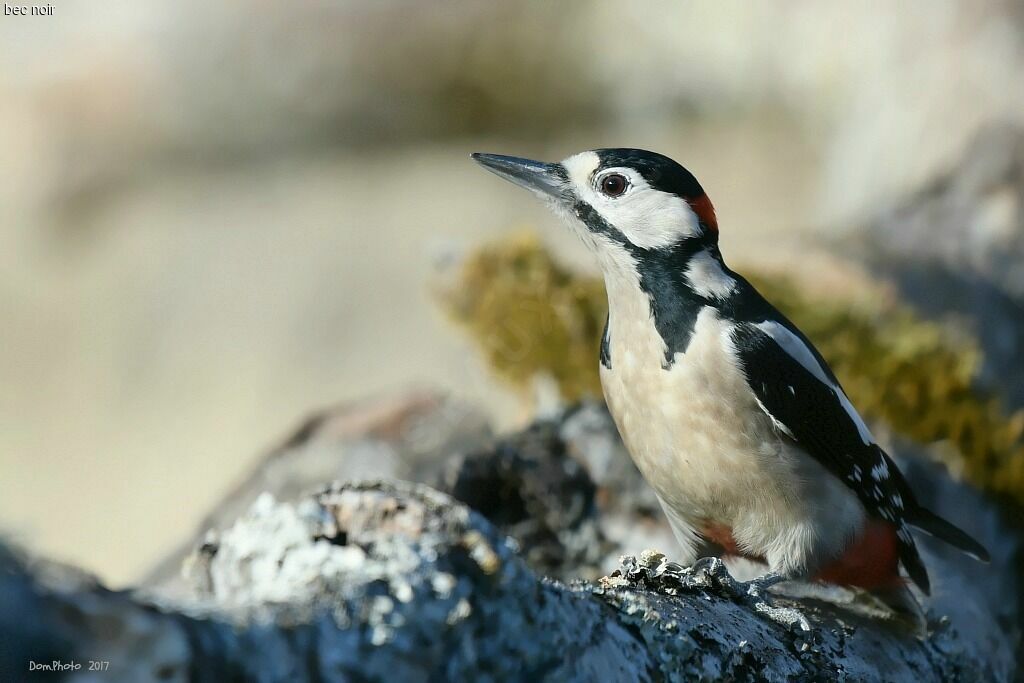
[(531, 316)]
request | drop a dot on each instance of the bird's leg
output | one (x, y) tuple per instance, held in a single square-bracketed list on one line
[(753, 592), (762, 583), (787, 616)]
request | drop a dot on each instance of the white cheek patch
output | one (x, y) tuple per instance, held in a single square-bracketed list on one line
[(704, 273), (647, 217)]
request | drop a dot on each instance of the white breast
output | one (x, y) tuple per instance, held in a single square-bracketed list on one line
[(712, 455)]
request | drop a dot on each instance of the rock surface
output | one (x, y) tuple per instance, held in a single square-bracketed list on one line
[(401, 436), (398, 581), (387, 581), (564, 488)]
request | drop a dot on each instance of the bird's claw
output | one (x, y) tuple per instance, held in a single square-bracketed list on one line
[(715, 572), (754, 592)]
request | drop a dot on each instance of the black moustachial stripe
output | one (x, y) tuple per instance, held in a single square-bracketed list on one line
[(674, 303), (596, 223)]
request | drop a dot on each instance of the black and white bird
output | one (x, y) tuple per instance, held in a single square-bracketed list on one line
[(730, 413)]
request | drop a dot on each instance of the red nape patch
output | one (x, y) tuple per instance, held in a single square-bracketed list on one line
[(705, 211), (871, 561)]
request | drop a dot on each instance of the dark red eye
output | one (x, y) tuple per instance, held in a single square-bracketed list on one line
[(614, 184)]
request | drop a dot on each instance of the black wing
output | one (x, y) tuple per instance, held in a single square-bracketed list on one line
[(805, 401)]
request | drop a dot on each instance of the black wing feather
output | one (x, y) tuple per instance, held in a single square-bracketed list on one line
[(814, 416)]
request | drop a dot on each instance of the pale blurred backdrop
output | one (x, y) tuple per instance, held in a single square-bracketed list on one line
[(216, 217)]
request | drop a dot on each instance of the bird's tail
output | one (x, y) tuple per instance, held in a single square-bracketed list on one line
[(930, 523)]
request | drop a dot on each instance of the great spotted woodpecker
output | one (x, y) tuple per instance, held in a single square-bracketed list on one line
[(730, 413)]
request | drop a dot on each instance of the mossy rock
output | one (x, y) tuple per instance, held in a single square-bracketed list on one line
[(531, 316)]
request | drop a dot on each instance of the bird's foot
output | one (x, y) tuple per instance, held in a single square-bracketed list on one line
[(753, 593), (789, 617)]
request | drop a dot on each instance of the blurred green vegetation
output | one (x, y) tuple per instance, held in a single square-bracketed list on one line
[(530, 316)]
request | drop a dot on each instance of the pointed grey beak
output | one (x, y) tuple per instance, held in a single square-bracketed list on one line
[(545, 180)]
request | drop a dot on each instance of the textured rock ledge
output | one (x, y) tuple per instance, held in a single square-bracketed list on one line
[(400, 581), (395, 581)]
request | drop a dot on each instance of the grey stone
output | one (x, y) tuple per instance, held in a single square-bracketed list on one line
[(400, 436), (395, 581)]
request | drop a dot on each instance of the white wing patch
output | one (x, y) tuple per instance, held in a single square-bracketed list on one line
[(792, 345), (795, 347), (862, 429), (880, 471)]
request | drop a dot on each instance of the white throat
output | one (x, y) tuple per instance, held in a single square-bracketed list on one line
[(634, 338)]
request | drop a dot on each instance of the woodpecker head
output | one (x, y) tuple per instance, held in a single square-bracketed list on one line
[(622, 202)]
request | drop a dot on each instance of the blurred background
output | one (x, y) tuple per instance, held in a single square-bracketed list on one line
[(217, 217)]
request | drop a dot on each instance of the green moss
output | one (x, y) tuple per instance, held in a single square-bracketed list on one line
[(531, 316)]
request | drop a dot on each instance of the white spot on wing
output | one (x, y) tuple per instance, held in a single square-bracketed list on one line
[(705, 274), (880, 471), (795, 347)]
